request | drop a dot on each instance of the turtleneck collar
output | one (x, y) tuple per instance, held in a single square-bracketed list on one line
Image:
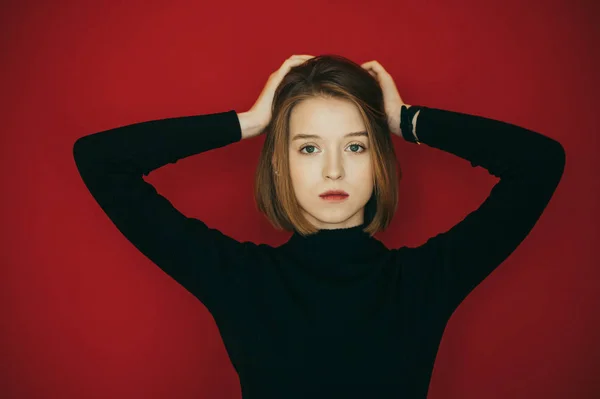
[(337, 251)]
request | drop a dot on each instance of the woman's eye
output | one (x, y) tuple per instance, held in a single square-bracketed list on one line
[(307, 146), (354, 148), (357, 146)]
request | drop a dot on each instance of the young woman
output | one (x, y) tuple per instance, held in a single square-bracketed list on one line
[(332, 313)]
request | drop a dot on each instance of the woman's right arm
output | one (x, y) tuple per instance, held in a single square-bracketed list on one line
[(112, 164)]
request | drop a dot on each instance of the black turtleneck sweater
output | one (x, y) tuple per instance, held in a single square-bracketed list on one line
[(335, 314)]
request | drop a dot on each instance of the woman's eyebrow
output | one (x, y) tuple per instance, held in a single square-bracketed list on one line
[(314, 136)]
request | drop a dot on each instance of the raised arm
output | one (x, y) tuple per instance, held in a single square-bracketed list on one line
[(112, 164), (529, 165)]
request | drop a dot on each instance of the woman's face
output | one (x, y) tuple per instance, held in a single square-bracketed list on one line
[(330, 162)]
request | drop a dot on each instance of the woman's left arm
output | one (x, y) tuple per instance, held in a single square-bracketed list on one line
[(529, 165)]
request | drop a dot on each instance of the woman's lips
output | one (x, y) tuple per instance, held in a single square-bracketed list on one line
[(334, 197)]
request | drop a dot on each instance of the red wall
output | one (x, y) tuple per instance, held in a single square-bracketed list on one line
[(85, 315)]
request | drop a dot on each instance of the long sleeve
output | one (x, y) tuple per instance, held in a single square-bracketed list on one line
[(530, 165), (112, 164)]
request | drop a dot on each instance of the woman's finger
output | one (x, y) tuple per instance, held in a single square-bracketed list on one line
[(299, 57), (375, 67), (295, 60), (372, 73)]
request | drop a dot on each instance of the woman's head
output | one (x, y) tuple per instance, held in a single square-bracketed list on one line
[(327, 96)]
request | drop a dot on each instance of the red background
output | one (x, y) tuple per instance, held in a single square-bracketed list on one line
[(86, 315)]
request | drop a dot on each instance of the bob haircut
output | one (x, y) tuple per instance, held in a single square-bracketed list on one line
[(325, 76)]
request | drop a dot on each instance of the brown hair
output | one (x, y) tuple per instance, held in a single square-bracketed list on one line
[(325, 76)]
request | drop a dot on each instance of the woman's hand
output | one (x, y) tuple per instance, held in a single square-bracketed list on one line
[(391, 98), (260, 113)]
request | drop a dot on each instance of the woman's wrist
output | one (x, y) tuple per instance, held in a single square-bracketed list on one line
[(250, 124), (414, 124)]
